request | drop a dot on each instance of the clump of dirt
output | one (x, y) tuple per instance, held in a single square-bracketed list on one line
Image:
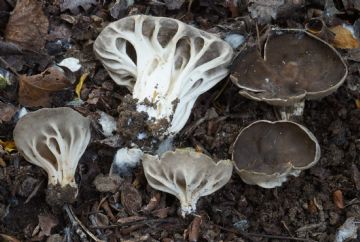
[(131, 124), (136, 128), (57, 196)]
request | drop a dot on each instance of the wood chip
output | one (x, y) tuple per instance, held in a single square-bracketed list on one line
[(338, 199), (28, 25)]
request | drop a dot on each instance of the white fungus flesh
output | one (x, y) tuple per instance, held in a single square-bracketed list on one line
[(166, 63)]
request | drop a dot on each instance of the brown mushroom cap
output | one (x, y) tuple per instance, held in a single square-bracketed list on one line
[(295, 65), (266, 152)]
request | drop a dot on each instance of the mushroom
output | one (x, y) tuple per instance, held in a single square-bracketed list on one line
[(54, 139), (186, 174), (166, 64), (296, 65), (266, 152)]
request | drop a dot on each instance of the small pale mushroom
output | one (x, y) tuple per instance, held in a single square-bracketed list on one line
[(265, 153), (54, 139), (166, 64), (186, 174), (295, 66)]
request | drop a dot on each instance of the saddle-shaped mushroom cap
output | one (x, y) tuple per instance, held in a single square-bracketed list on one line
[(54, 139), (295, 65), (266, 152), (166, 63), (186, 174)]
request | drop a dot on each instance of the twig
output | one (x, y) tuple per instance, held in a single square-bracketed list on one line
[(268, 236), (76, 223), (34, 192), (258, 38), (308, 227), (144, 222), (287, 228)]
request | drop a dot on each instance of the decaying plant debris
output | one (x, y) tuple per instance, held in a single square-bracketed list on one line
[(118, 191)]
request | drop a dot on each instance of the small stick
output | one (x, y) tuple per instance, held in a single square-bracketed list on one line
[(34, 192), (145, 222), (194, 230), (263, 235), (287, 228), (76, 223)]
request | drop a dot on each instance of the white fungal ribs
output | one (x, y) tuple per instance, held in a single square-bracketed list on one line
[(166, 63), (54, 139)]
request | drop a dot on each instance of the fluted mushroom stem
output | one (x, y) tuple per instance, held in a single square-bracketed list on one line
[(291, 113)]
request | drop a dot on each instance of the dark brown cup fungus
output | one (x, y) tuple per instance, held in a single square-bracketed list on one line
[(266, 152), (54, 139), (296, 65)]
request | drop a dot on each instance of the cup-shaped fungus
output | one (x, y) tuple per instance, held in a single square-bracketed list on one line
[(54, 139), (186, 174), (266, 152), (296, 65), (166, 64)]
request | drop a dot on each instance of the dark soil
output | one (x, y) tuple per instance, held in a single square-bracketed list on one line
[(304, 208)]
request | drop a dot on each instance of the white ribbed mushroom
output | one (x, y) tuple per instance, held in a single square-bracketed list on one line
[(54, 139), (166, 63), (186, 174)]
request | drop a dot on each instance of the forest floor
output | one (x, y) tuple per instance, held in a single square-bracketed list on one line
[(310, 207)]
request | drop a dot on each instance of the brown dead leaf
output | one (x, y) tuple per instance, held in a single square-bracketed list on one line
[(153, 203), (46, 223), (2, 162), (99, 219), (119, 8), (131, 219), (194, 229), (312, 208), (28, 25), (344, 38), (232, 5), (105, 183), (131, 199), (317, 26), (7, 111), (338, 199), (55, 238), (174, 4), (36, 90), (264, 10), (161, 212), (357, 103), (8, 145), (351, 4), (74, 5), (8, 48), (81, 83)]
